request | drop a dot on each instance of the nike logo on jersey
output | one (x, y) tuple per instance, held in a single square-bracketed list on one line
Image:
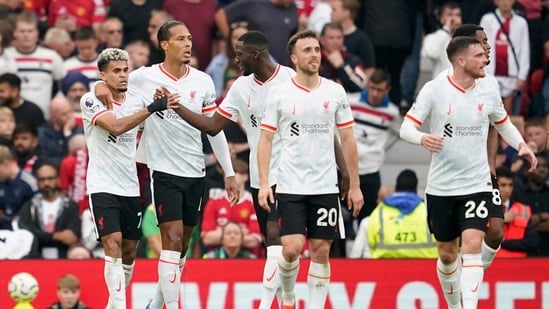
[(451, 290), (173, 279), (270, 278), (293, 110), (119, 286), (449, 110), (3, 239), (474, 290)]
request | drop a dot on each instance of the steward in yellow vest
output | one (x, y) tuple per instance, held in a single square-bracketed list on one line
[(398, 227)]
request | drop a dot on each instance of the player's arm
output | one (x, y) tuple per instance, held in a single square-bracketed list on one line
[(492, 144), (512, 136), (264, 150), (221, 151), (211, 125), (117, 126), (355, 200), (340, 161)]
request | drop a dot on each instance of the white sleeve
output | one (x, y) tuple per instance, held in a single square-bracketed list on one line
[(221, 150), (510, 134), (410, 133)]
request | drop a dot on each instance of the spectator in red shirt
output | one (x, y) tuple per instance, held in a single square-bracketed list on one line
[(73, 14), (72, 172), (218, 213)]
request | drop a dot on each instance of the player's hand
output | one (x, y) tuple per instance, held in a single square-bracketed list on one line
[(265, 196), (526, 152), (355, 200), (344, 184), (104, 95), (173, 98), (233, 193), (432, 142)]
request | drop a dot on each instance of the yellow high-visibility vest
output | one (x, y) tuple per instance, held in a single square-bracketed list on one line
[(392, 234)]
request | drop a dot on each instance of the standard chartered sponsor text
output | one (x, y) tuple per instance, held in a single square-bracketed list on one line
[(469, 131), (315, 128)]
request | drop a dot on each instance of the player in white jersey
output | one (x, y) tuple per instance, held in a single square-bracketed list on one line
[(38, 67), (494, 233), (112, 176), (460, 108), (304, 112), (246, 101), (172, 150)]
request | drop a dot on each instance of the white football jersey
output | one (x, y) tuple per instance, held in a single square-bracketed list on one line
[(462, 117), (38, 70), (169, 144), (111, 167), (89, 69), (246, 100), (374, 126), (306, 120)]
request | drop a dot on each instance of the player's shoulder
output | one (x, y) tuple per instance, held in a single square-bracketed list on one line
[(90, 102), (286, 71), (88, 96), (331, 86), (243, 81), (488, 81), (140, 72), (202, 76)]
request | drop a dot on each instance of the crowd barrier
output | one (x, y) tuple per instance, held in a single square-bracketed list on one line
[(236, 284)]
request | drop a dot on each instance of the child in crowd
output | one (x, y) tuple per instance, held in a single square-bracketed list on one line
[(68, 293)]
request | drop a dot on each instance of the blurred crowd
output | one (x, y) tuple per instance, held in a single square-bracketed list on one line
[(376, 49)]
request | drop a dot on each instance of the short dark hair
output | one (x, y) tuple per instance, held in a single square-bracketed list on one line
[(254, 38), (467, 30), (459, 45), (380, 76), (298, 36), (406, 181), (535, 121), (504, 172), (84, 33), (331, 25), (164, 30), (12, 79), (45, 162), (24, 127)]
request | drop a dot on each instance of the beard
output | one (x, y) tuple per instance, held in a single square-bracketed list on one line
[(48, 191), (121, 89), (22, 152), (7, 101), (475, 73)]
